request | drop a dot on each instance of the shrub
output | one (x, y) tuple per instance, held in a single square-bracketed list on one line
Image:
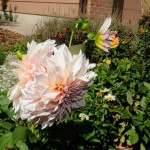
[(51, 28)]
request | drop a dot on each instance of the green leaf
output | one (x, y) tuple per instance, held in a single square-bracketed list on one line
[(91, 36), (133, 136), (122, 139), (145, 138), (123, 124), (128, 66), (19, 134), (142, 147), (137, 103), (89, 135), (129, 98), (143, 89), (22, 146), (144, 102), (4, 100), (6, 141), (147, 85), (96, 140), (32, 137), (7, 125)]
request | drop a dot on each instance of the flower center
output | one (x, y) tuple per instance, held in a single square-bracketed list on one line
[(110, 98), (114, 42), (58, 87)]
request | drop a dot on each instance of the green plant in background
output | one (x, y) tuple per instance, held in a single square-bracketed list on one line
[(2, 57), (80, 24), (19, 48), (8, 16)]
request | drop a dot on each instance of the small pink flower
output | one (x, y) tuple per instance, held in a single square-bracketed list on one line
[(105, 38)]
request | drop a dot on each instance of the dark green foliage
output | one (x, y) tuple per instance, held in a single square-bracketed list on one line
[(2, 57), (20, 46)]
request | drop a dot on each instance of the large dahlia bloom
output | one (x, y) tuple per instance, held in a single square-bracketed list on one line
[(106, 39), (55, 85), (32, 63)]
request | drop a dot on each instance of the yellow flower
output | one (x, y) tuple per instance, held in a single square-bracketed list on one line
[(104, 60), (142, 30), (100, 94), (117, 117), (105, 105), (108, 62), (99, 64), (115, 106)]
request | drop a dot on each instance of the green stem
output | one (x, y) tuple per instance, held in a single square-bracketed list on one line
[(71, 37)]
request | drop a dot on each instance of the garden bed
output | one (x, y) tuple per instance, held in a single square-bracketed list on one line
[(117, 111), (9, 37)]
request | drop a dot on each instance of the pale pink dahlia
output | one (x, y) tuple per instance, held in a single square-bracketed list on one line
[(54, 90), (31, 63)]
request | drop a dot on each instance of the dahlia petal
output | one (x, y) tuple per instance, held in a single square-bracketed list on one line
[(105, 25)]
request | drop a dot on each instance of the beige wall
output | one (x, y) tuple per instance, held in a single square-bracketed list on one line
[(60, 8), (145, 5), (131, 11), (128, 11)]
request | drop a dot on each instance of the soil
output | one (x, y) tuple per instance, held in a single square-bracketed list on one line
[(9, 37)]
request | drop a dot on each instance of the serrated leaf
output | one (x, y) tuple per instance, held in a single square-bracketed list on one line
[(6, 141), (129, 98), (129, 142), (19, 134), (22, 146), (133, 136)]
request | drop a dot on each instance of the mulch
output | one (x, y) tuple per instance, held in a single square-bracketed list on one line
[(9, 37)]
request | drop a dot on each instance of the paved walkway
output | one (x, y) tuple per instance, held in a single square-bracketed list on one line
[(22, 28)]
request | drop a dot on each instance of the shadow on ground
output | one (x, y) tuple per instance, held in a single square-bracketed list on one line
[(7, 23)]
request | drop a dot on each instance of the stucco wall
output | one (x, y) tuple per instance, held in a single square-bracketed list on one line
[(60, 8), (128, 11)]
